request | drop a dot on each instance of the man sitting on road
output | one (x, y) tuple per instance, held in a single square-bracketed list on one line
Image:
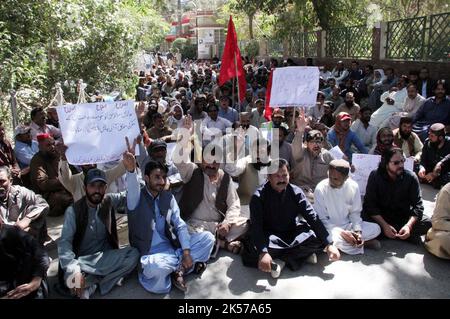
[(337, 201), (278, 235), (393, 199)]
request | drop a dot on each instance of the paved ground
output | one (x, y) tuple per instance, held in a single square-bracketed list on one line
[(398, 270)]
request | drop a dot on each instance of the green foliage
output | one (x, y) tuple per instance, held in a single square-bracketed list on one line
[(179, 43), (43, 42), (187, 50), (252, 49)]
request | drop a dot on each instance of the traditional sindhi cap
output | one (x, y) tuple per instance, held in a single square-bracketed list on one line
[(342, 166)]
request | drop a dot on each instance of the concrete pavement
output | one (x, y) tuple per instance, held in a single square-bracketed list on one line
[(398, 270)]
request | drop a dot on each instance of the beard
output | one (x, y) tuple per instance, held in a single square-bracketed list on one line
[(348, 103), (50, 155), (404, 135), (95, 198), (435, 144), (3, 193)]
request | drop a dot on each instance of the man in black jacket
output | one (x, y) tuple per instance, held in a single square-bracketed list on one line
[(434, 150), (24, 265), (393, 199), (278, 236)]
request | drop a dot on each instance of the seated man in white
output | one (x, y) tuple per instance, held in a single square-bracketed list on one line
[(338, 204)]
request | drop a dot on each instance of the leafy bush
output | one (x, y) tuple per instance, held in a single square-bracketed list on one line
[(252, 48)]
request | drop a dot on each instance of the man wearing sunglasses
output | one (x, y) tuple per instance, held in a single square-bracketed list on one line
[(393, 199)]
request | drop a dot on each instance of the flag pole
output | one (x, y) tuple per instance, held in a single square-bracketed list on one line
[(237, 79)]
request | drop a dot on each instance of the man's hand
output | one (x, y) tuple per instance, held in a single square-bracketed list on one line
[(333, 253), (61, 148), (140, 110), (353, 238), (301, 121), (404, 232), (15, 172), (389, 231), (265, 262), (223, 229), (348, 237), (23, 223), (390, 101), (25, 171), (186, 261), (421, 173), (129, 160), (25, 289), (430, 177), (78, 280), (437, 169), (358, 236)]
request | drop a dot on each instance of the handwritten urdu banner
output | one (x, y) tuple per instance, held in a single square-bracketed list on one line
[(295, 86), (95, 132)]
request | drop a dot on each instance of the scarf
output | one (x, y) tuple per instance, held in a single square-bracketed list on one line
[(381, 148), (172, 122), (341, 133)]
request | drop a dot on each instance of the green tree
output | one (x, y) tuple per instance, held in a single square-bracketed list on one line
[(250, 7)]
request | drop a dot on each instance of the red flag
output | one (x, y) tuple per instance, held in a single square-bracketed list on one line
[(232, 66), (268, 109)]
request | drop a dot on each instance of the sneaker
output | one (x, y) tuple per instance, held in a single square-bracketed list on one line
[(88, 292), (373, 244), (312, 259), (277, 267)]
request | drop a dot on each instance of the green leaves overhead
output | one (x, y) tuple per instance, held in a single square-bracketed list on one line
[(42, 42)]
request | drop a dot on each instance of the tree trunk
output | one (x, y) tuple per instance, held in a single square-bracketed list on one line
[(250, 25), (323, 10)]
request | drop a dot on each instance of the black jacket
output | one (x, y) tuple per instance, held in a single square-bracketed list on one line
[(396, 201), (273, 213), (21, 257)]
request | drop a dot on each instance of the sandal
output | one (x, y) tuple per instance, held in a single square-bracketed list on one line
[(178, 280)]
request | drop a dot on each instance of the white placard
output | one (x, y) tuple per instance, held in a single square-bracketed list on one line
[(170, 149), (366, 163), (409, 164), (294, 86), (336, 152), (95, 132)]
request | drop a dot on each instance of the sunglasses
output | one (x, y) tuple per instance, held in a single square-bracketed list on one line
[(398, 162)]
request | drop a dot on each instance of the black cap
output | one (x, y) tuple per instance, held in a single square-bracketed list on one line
[(94, 175)]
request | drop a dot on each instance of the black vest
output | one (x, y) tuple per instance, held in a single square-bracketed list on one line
[(107, 216), (192, 196)]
